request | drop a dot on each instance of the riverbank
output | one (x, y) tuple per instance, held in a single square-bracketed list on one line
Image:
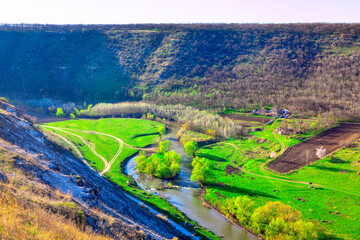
[(233, 221), (188, 199)]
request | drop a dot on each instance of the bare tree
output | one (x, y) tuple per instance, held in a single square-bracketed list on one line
[(320, 152)]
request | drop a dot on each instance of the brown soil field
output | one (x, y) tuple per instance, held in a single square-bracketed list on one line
[(247, 118), (304, 153)]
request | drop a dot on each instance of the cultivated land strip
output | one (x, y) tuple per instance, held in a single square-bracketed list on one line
[(303, 153), (280, 179)]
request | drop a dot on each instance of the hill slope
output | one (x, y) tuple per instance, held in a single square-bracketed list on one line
[(308, 67), (54, 170)]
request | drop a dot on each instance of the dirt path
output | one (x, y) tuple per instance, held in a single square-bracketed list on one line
[(74, 147), (90, 145), (121, 146), (107, 165), (281, 143), (280, 179)]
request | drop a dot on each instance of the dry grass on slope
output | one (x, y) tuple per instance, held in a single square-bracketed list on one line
[(30, 209), (23, 221)]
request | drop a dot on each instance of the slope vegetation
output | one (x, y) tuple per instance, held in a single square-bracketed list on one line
[(60, 170), (234, 66)]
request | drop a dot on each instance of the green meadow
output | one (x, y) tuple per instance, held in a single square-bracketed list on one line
[(332, 203), (135, 133)]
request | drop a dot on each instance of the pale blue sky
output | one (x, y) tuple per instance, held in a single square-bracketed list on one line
[(178, 11)]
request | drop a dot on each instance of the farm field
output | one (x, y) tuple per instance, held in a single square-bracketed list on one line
[(248, 120), (113, 140), (332, 202), (299, 155)]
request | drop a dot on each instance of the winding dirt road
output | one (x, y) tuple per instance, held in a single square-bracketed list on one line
[(72, 146), (92, 146)]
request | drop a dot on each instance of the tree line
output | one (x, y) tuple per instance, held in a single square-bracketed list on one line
[(203, 121)]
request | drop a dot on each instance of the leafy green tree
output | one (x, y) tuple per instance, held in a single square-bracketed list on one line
[(162, 131), (141, 161), (265, 214), (190, 148), (60, 112), (164, 146), (277, 220), (244, 209), (200, 169)]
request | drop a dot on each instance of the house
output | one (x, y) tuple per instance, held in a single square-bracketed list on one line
[(284, 113)]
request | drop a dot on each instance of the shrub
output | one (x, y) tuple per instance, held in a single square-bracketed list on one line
[(240, 208), (162, 130), (191, 147), (4, 99), (60, 112), (72, 116), (200, 169)]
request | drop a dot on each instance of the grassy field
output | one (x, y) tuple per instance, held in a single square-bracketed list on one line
[(135, 133), (333, 204)]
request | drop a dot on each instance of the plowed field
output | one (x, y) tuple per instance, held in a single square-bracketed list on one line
[(304, 153)]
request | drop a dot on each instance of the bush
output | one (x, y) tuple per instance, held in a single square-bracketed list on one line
[(190, 148), (72, 116), (162, 130), (200, 169), (4, 99), (60, 112), (274, 220)]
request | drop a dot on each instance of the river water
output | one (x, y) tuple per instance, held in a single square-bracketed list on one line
[(187, 199)]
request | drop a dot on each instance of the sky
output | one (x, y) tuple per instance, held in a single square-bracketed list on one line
[(178, 11)]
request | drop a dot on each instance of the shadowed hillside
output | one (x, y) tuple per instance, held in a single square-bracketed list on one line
[(309, 68)]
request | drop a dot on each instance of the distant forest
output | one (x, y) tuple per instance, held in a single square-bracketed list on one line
[(308, 68)]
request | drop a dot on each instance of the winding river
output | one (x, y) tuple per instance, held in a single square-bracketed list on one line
[(187, 199)]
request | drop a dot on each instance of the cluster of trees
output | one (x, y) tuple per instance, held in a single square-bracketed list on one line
[(163, 164), (203, 121), (319, 124), (274, 220)]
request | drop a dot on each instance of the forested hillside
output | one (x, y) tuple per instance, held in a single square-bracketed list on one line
[(308, 68)]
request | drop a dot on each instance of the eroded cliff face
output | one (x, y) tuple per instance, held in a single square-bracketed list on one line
[(58, 169)]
